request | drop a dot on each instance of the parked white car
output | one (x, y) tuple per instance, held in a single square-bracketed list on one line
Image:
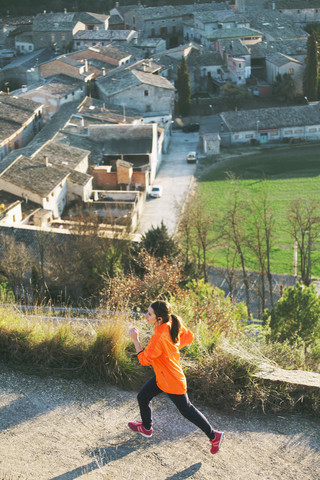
[(156, 191), (192, 157)]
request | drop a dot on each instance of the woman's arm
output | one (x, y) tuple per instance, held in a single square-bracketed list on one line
[(133, 332)]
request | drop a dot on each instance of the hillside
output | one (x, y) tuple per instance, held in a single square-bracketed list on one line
[(53, 429)]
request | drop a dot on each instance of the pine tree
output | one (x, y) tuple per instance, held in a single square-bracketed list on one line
[(183, 87), (311, 78)]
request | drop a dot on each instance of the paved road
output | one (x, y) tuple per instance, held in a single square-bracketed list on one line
[(175, 176)]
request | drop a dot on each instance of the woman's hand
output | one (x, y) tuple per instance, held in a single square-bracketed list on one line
[(133, 332)]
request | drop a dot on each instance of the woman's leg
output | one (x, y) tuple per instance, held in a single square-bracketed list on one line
[(146, 394), (192, 414)]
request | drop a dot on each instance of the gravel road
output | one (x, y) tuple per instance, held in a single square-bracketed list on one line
[(55, 429)]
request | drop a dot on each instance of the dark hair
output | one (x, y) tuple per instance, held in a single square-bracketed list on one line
[(163, 310)]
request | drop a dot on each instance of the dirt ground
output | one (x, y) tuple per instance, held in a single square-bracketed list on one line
[(55, 429)]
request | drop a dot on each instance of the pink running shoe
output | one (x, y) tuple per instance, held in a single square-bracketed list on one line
[(216, 442), (139, 428)]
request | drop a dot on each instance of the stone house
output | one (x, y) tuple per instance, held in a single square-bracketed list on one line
[(279, 64), (299, 11), (139, 147), (54, 93), (93, 38), (20, 120), (142, 91), (52, 177), (55, 30), (76, 69), (93, 21), (271, 125)]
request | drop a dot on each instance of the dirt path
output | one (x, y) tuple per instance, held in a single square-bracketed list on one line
[(53, 429)]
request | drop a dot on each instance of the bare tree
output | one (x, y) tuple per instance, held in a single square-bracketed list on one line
[(260, 242), (304, 220), (235, 231), (16, 261)]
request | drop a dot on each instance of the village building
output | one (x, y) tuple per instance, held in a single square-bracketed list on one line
[(20, 120), (271, 125), (142, 91), (55, 30), (54, 93), (52, 177)]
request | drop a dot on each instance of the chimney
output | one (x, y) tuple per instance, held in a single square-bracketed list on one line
[(46, 161), (103, 71), (86, 65), (82, 122)]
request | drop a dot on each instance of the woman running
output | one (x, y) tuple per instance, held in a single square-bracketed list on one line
[(162, 352)]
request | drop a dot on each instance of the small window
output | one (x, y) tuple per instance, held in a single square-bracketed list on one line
[(146, 93), (291, 71), (52, 194)]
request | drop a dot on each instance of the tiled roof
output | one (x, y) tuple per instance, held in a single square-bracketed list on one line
[(276, 25), (126, 139), (277, 117), (116, 82), (61, 155), (236, 32), (14, 112), (234, 47), (104, 35), (300, 4), (91, 18), (279, 59), (289, 47), (33, 175)]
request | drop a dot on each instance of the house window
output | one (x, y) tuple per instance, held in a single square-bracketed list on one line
[(163, 31), (78, 44), (16, 145), (312, 130), (146, 93), (52, 194), (291, 71), (63, 36), (249, 135), (134, 19), (288, 132), (153, 32), (30, 47), (174, 29), (298, 130), (14, 218)]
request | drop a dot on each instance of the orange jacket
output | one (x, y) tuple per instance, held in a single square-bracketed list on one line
[(164, 356)]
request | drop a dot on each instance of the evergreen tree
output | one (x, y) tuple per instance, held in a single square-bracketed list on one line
[(183, 87), (284, 88), (311, 78), (158, 243), (297, 314)]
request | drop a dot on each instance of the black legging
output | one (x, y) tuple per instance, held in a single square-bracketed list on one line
[(182, 402)]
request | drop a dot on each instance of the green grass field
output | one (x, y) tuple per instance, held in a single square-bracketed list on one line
[(288, 173)]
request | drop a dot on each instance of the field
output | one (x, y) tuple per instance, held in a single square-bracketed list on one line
[(289, 173)]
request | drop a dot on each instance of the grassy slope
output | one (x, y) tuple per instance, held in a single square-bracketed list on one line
[(290, 172)]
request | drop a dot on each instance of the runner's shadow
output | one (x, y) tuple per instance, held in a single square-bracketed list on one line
[(187, 473), (103, 456)]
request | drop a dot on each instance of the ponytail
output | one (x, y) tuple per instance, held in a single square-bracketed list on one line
[(175, 328), (162, 309)]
